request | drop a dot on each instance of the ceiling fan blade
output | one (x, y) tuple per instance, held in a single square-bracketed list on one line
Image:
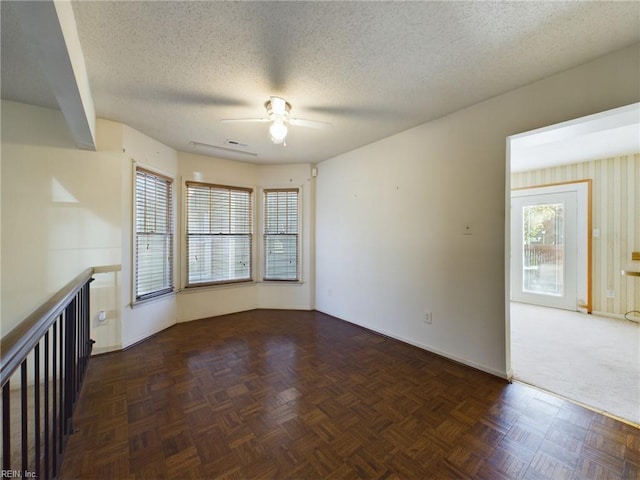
[(243, 120), (301, 122)]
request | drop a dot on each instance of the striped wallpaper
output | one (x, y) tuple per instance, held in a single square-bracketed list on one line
[(616, 213)]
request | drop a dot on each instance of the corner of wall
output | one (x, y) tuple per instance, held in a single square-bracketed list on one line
[(149, 318)]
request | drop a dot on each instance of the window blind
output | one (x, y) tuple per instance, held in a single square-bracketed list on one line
[(281, 217), (153, 235), (219, 234)]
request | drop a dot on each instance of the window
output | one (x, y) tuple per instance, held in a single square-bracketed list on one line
[(219, 234), (153, 235), (281, 234)]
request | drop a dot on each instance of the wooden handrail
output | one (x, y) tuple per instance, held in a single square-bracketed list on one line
[(16, 345)]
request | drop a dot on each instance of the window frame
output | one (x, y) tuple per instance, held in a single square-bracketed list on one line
[(265, 223), (169, 287), (251, 211)]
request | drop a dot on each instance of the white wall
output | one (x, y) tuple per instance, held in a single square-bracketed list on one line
[(203, 302), (2, 332), (142, 320), (59, 212), (286, 295), (389, 218), (390, 215), (65, 209)]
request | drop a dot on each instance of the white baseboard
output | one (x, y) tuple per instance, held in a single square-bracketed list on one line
[(100, 350), (151, 333), (429, 348)]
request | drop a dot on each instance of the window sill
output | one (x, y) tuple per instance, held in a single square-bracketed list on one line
[(219, 286), (147, 301), (204, 288)]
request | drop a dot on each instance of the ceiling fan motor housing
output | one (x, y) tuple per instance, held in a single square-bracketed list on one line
[(278, 108)]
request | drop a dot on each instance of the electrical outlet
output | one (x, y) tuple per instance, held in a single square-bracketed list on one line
[(428, 317), (611, 294), (102, 316)]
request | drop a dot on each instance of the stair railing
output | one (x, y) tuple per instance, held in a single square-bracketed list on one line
[(42, 364)]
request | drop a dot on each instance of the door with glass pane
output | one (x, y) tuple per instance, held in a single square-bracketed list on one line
[(544, 249)]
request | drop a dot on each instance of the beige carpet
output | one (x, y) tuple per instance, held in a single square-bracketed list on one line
[(590, 359)]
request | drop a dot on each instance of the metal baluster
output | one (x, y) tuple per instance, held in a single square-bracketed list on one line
[(47, 440), (86, 321), (76, 312), (85, 327), (80, 338), (36, 406), (60, 413), (54, 396), (69, 367), (79, 331), (6, 427), (23, 411)]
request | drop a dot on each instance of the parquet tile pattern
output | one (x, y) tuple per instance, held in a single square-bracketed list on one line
[(290, 394)]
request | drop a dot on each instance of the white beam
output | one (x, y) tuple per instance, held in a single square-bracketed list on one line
[(50, 27)]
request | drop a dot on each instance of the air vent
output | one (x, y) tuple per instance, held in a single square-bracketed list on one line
[(235, 143), (225, 149)]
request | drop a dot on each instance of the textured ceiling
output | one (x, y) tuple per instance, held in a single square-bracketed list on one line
[(173, 69)]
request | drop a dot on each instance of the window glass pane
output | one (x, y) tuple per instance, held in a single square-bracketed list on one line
[(281, 257), (153, 235), (281, 234), (240, 221), (154, 271), (220, 211), (543, 255), (219, 258), (199, 218), (219, 234)]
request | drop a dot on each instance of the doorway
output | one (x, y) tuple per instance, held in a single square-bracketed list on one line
[(563, 344)]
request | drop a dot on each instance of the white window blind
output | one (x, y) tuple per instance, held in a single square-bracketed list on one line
[(153, 235), (219, 234), (281, 216)]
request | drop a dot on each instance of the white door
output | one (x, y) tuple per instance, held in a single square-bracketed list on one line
[(544, 250)]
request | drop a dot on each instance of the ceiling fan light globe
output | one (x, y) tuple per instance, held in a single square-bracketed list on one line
[(278, 131)]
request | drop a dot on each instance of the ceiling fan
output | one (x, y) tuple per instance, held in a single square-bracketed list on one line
[(278, 112)]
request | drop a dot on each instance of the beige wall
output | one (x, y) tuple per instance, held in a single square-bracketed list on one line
[(140, 321), (60, 207), (1, 328), (287, 295), (390, 215), (219, 300), (205, 302), (389, 218), (615, 213), (65, 209)]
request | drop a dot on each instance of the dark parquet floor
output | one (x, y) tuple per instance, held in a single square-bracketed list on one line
[(302, 395)]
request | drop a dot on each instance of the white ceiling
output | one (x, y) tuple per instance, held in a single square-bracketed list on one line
[(172, 70), (606, 134)]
